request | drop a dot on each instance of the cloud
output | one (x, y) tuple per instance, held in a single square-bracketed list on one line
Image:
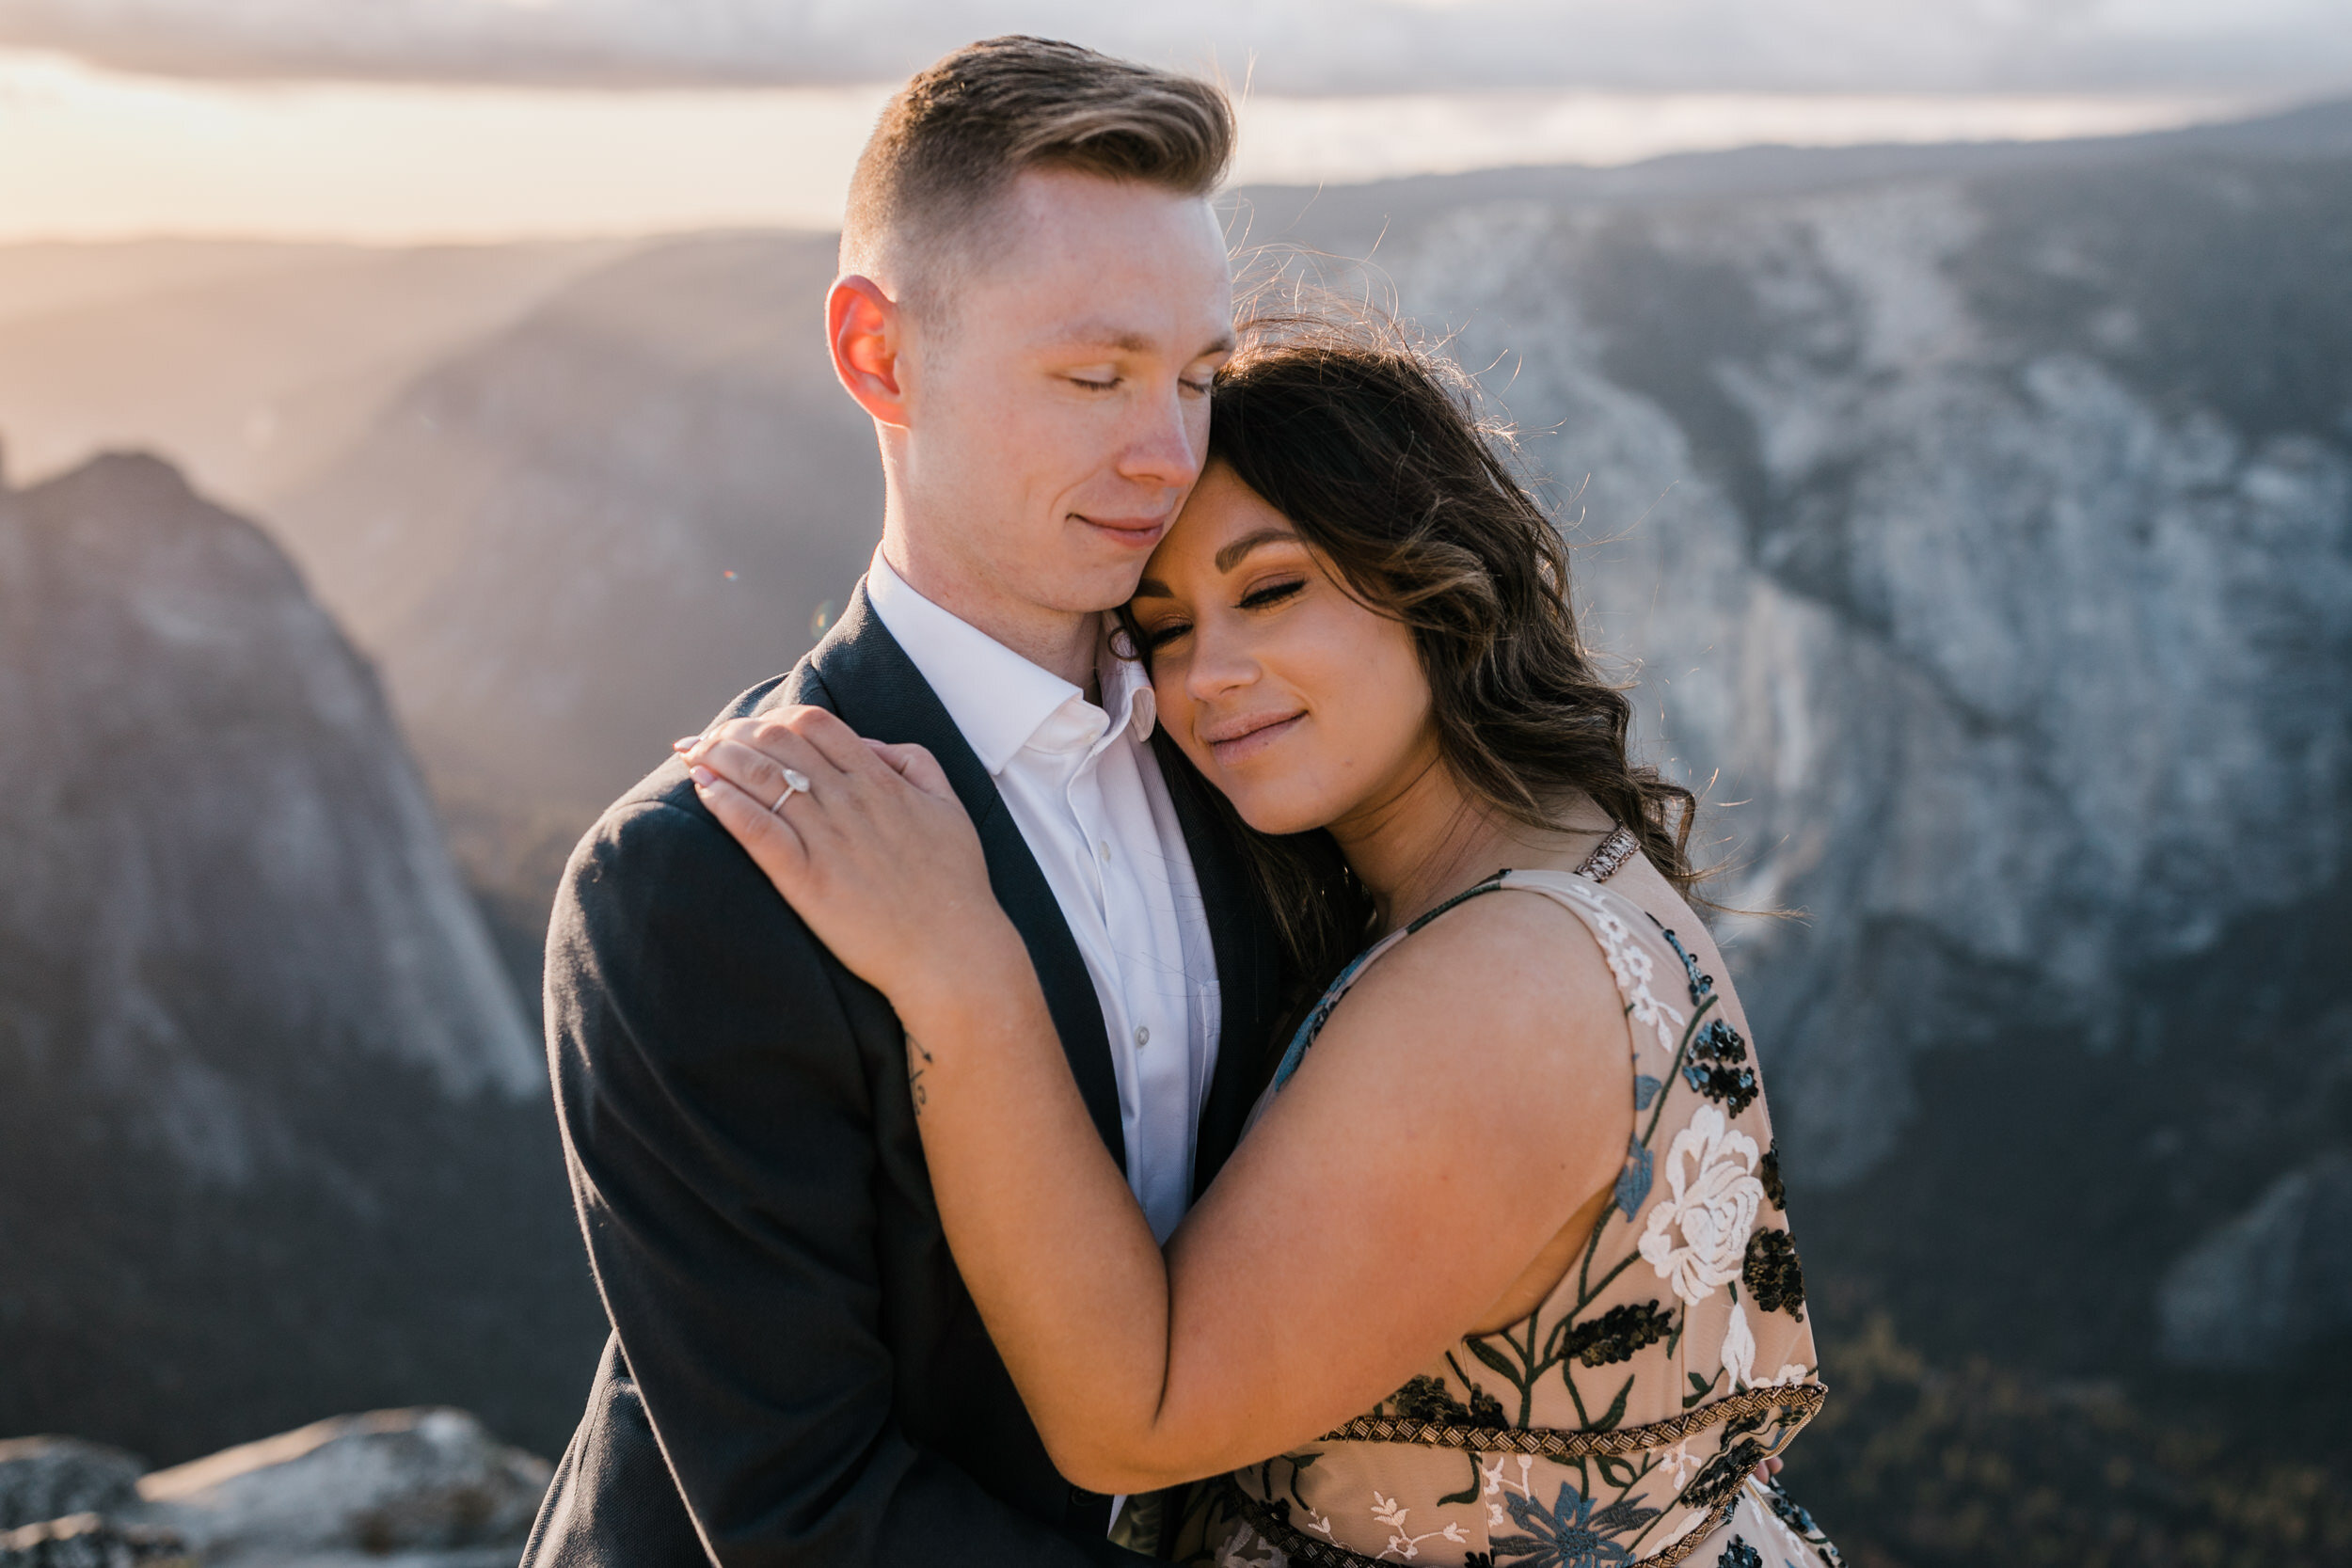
[(1285, 46)]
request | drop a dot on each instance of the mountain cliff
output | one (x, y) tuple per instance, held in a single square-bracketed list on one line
[(274, 1136)]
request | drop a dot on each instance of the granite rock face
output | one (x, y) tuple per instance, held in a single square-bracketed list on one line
[(387, 1482), (49, 1478), (416, 1488), (2272, 1280), (273, 1130), (2020, 620), (93, 1540)]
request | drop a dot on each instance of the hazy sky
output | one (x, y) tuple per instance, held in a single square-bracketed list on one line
[(1384, 46), (394, 120)]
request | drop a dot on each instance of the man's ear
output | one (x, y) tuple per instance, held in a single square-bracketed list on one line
[(868, 335)]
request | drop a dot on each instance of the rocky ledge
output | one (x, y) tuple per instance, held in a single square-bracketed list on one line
[(426, 1488)]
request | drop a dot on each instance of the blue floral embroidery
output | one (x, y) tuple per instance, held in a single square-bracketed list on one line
[(1645, 1090), (1702, 986), (1571, 1533), (1634, 1181)]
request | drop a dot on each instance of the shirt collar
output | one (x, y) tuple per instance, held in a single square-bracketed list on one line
[(1000, 700)]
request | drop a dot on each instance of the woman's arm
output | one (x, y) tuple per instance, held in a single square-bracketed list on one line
[(1472, 1093)]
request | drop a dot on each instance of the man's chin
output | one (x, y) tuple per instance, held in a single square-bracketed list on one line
[(1099, 593)]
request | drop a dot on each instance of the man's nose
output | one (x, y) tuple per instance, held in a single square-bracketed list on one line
[(1166, 446)]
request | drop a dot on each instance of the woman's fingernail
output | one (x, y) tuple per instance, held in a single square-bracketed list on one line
[(684, 743), (701, 776)]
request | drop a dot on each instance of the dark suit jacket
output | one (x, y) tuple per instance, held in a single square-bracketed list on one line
[(796, 1375)]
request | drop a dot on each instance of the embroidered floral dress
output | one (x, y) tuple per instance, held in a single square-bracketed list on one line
[(1621, 1423)]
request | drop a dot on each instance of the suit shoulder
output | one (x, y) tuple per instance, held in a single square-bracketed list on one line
[(667, 786)]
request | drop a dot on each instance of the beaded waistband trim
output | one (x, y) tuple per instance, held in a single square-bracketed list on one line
[(1802, 1398), (1300, 1547)]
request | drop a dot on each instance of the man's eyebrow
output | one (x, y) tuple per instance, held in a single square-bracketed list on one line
[(1231, 555), (1104, 334)]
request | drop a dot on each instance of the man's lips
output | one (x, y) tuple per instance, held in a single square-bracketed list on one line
[(1236, 741), (1143, 531)]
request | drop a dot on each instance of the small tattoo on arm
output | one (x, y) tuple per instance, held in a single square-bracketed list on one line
[(918, 1061)]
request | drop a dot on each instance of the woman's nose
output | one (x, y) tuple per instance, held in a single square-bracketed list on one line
[(1221, 662)]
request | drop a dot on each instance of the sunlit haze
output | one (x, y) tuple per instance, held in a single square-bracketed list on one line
[(87, 153)]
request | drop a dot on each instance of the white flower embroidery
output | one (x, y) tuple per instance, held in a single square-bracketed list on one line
[(1406, 1546), (1739, 1348), (1680, 1463), (1714, 1195), (1740, 1356), (1628, 961), (1494, 1486)]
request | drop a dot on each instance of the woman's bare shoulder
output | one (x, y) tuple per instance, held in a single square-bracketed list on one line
[(1516, 973)]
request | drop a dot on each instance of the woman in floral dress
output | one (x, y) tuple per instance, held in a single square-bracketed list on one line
[(1501, 1274)]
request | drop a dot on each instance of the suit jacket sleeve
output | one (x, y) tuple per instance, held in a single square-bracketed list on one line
[(717, 1115)]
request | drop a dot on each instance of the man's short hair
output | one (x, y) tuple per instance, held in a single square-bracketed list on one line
[(954, 139)]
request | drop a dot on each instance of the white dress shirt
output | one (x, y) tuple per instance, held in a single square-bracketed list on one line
[(1088, 797)]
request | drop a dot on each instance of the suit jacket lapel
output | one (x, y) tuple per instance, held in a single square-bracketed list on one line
[(1249, 967), (877, 689)]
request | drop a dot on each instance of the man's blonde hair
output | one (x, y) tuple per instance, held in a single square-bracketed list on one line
[(954, 139)]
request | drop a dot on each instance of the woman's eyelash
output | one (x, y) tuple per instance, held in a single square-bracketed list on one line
[(1155, 636)]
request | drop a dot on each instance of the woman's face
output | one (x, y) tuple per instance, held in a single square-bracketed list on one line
[(1304, 706)]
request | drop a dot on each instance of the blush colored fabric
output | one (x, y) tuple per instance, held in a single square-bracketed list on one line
[(1671, 1359)]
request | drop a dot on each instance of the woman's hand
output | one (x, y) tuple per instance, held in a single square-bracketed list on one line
[(868, 843)]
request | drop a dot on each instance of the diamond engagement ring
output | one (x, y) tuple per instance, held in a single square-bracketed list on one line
[(795, 782)]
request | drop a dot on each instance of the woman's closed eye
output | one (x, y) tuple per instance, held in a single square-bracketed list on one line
[(1163, 634), (1272, 594), (1263, 596)]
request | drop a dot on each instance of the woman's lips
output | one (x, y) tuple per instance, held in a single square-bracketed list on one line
[(1237, 740)]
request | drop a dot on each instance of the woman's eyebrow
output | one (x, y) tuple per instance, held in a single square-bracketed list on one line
[(1228, 558), (1151, 587)]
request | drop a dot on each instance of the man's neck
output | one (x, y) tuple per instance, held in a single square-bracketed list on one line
[(1057, 641)]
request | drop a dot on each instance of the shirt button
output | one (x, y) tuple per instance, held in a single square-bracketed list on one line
[(1104, 850), (1143, 1034)]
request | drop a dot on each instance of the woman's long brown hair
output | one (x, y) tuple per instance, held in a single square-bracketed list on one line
[(1373, 447)]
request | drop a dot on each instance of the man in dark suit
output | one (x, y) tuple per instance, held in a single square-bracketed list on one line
[(1035, 296)]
